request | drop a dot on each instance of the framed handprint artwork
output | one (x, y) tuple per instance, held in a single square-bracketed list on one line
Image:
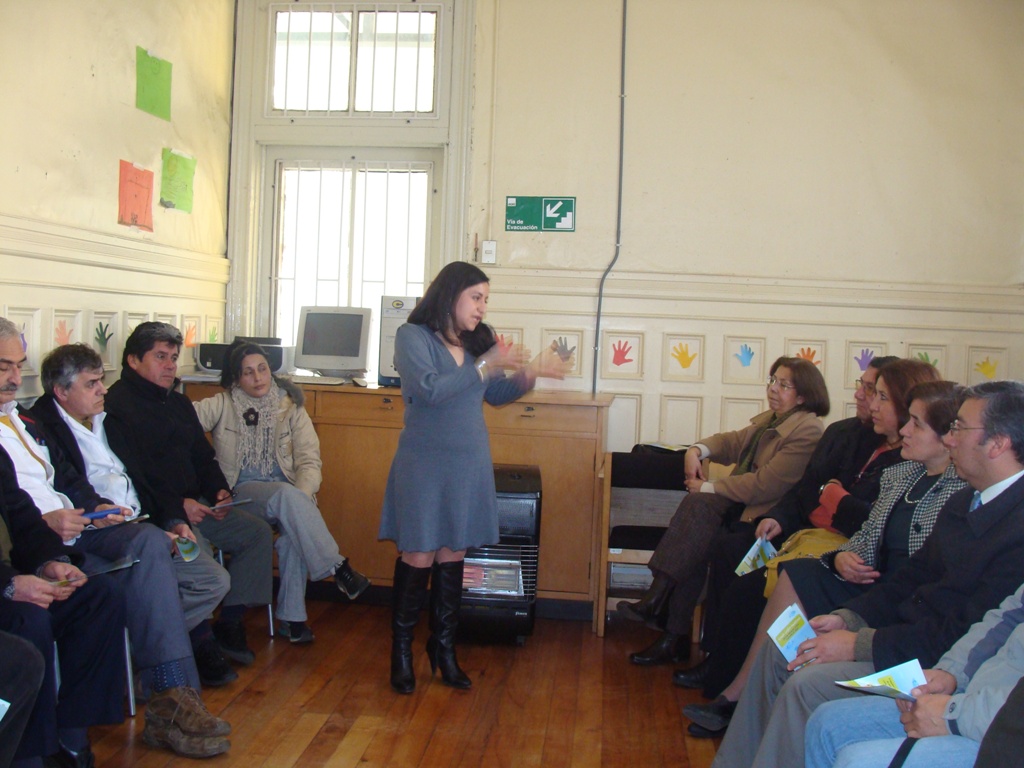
[(744, 360), (986, 364), (29, 320), (682, 357), (104, 339), (509, 335), (622, 355), (859, 355), (568, 343), (936, 354), (67, 327), (808, 349)]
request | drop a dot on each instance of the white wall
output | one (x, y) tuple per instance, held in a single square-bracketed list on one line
[(826, 171), (69, 118)]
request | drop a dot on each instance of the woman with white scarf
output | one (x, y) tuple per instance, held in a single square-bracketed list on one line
[(269, 452)]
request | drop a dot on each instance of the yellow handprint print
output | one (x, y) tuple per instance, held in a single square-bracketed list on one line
[(987, 367), (681, 352)]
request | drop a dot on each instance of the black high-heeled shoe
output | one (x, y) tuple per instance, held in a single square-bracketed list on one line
[(407, 594), (445, 601)]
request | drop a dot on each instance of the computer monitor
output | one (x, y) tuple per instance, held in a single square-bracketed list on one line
[(333, 341)]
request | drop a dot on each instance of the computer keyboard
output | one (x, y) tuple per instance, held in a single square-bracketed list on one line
[(330, 381)]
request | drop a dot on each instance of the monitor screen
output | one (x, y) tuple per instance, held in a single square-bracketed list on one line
[(333, 340)]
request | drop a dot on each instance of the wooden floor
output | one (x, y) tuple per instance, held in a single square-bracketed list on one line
[(566, 698)]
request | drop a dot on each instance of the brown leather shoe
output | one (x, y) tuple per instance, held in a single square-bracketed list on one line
[(162, 735), (667, 649), (183, 707)]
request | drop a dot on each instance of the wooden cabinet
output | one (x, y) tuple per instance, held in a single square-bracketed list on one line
[(563, 433)]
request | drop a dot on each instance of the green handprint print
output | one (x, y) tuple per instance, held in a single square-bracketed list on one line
[(212, 334), (681, 352), (745, 355), (987, 368), (926, 358), (103, 335)]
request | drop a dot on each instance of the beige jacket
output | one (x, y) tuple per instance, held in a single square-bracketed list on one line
[(779, 462), (297, 446)]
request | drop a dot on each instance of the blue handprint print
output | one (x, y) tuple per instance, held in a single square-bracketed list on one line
[(866, 356), (745, 355)]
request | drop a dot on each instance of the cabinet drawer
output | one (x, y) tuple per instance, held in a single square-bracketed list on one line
[(351, 407), (544, 417)]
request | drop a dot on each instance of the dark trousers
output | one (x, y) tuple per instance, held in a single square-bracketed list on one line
[(732, 609), (683, 553), (21, 675), (88, 628)]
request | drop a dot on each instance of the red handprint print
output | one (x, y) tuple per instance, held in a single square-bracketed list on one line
[(620, 350)]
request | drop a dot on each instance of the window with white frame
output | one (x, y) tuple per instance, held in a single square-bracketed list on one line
[(350, 141), (353, 58)]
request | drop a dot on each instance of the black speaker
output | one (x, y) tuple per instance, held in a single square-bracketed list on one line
[(499, 589)]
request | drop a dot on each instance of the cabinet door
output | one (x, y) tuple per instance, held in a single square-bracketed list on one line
[(567, 506), (356, 464)]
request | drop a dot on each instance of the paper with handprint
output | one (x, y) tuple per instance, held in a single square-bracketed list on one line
[(745, 355), (808, 354), (681, 352), (620, 353), (987, 367), (103, 335)]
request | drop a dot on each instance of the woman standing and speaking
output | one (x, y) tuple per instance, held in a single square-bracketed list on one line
[(440, 497)]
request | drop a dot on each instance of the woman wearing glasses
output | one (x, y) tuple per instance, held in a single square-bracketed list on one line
[(912, 493), (770, 456)]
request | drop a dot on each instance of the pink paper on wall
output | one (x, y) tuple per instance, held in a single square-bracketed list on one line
[(135, 197)]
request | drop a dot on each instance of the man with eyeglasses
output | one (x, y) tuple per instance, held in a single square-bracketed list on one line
[(973, 559)]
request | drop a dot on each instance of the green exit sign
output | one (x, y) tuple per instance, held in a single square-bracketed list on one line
[(540, 214)]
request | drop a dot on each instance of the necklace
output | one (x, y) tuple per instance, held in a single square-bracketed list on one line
[(928, 480)]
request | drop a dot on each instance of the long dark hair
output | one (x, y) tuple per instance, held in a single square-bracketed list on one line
[(437, 307)]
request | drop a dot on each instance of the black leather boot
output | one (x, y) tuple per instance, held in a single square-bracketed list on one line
[(445, 600), (407, 595), (667, 649), (649, 608)]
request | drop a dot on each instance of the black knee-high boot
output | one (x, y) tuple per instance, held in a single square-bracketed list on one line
[(445, 600), (407, 594)]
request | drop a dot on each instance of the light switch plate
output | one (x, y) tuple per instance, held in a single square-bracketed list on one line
[(489, 252)]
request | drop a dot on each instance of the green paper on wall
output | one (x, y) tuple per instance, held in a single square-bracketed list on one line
[(176, 180), (152, 84)]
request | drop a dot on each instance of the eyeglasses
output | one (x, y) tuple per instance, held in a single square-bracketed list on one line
[(955, 426), (869, 388), (782, 384)]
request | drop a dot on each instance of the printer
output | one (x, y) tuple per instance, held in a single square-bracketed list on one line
[(211, 357)]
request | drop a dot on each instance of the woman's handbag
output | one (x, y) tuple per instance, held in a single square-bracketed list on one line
[(808, 542)]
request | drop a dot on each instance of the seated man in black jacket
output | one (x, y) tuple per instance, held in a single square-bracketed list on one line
[(178, 464), (71, 412), (972, 560), (45, 598)]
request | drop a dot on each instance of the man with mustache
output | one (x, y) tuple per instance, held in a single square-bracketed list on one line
[(160, 643)]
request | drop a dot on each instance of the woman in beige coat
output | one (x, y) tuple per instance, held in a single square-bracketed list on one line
[(770, 456), (269, 452)]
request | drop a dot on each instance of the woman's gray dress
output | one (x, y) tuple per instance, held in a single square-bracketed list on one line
[(440, 490)]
